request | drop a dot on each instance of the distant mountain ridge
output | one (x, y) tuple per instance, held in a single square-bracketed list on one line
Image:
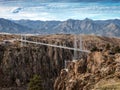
[(71, 26), (8, 26)]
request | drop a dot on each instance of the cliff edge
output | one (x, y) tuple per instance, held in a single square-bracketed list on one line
[(99, 71)]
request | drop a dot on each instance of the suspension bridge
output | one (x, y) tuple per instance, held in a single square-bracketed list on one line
[(77, 47), (56, 46), (24, 40)]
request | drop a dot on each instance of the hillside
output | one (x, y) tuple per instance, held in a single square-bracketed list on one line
[(8, 26)]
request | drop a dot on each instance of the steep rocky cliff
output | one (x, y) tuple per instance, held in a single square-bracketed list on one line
[(99, 71), (19, 64)]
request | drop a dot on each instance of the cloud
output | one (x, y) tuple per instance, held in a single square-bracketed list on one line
[(65, 0), (17, 10), (59, 11)]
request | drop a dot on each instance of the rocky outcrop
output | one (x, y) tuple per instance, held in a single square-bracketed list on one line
[(91, 73)]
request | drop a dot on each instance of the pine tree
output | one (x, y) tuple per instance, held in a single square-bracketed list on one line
[(35, 83)]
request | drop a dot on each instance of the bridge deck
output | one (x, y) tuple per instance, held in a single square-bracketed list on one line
[(51, 45)]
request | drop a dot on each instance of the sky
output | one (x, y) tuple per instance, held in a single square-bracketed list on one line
[(59, 10)]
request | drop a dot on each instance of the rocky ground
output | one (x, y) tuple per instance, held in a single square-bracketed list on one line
[(19, 64), (99, 71)]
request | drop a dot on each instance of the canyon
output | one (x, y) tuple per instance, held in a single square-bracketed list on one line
[(18, 64)]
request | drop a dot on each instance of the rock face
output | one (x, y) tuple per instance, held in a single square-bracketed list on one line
[(19, 64), (96, 72)]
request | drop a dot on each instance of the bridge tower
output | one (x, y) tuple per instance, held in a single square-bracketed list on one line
[(80, 41), (23, 38), (77, 45)]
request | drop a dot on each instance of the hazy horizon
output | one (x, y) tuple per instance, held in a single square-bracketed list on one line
[(65, 19)]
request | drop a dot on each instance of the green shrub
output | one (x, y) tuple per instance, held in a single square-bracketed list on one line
[(116, 49), (94, 49), (35, 83)]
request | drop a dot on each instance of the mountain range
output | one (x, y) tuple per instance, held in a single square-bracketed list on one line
[(86, 26), (8, 26)]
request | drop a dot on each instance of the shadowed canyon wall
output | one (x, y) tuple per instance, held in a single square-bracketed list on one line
[(19, 64)]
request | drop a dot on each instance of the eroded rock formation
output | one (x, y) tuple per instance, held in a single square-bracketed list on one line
[(91, 73)]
